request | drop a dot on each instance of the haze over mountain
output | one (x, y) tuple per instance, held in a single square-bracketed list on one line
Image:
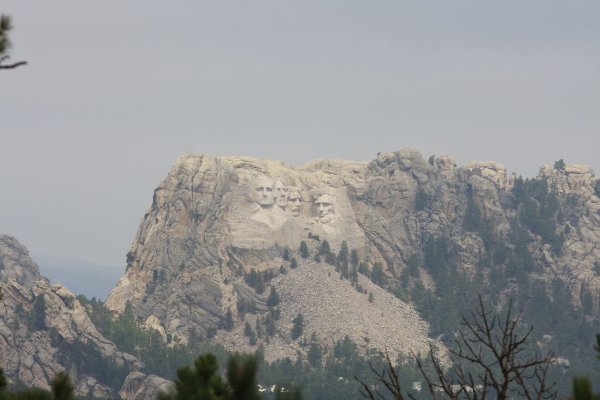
[(80, 276)]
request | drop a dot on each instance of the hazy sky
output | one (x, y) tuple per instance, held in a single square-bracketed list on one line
[(116, 91)]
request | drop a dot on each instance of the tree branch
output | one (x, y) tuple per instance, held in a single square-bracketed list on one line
[(15, 65)]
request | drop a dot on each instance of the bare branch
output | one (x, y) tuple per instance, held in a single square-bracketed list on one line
[(388, 377), (497, 347), (15, 65)]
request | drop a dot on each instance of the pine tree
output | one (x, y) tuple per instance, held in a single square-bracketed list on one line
[(343, 256), (241, 376), (325, 248), (5, 44), (286, 253), (273, 299), (62, 387), (270, 324), (377, 274), (228, 320), (3, 381), (560, 165), (247, 329), (343, 260), (314, 354), (298, 328), (200, 382), (304, 250), (37, 318), (354, 258), (582, 389)]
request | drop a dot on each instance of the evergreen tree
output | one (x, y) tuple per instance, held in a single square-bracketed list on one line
[(247, 329), (200, 382), (412, 266), (62, 387), (298, 327), (342, 259), (354, 274), (294, 263), (325, 249), (258, 327), (256, 281), (286, 253), (304, 249), (582, 389), (421, 200), (270, 325), (345, 349), (273, 299), (362, 268), (354, 258), (377, 274), (37, 318), (314, 354), (3, 381), (252, 339), (228, 325), (241, 376), (5, 44), (343, 256)]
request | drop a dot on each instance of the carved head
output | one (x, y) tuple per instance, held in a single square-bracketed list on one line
[(281, 194), (295, 200), (264, 191), (325, 208)]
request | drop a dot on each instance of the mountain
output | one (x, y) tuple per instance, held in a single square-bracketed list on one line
[(396, 249), (319, 263), (80, 276), (216, 222), (44, 330)]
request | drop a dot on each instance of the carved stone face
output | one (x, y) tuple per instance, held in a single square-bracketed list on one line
[(281, 194), (264, 191), (295, 200), (325, 208)]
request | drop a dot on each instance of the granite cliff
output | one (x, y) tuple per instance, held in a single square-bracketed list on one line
[(216, 222)]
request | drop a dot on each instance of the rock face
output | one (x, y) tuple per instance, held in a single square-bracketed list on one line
[(138, 386), (332, 308), (40, 324), (15, 263), (213, 220)]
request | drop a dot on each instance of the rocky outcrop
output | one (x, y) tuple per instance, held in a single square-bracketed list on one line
[(579, 261), (215, 219), (43, 327), (139, 386), (15, 263), (332, 309)]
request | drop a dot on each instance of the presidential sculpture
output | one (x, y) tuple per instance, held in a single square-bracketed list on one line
[(325, 208), (264, 191), (294, 202), (281, 195)]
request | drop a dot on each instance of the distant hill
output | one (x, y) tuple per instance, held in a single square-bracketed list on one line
[(81, 277)]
